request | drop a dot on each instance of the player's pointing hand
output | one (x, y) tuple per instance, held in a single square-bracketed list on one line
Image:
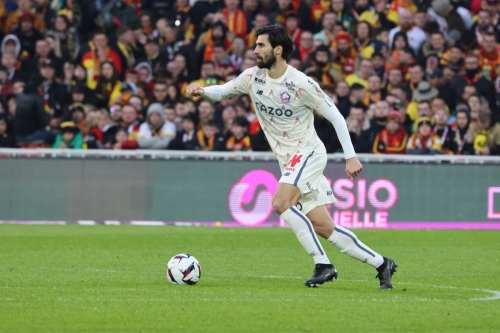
[(194, 90), (353, 167)]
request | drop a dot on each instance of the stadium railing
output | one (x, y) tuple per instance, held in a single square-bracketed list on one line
[(253, 156)]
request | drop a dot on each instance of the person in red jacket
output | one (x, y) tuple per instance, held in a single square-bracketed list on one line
[(393, 138), (99, 52)]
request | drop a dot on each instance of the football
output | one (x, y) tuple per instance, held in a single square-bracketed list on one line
[(183, 269)]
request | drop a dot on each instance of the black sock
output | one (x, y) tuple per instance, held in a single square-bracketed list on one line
[(383, 266)]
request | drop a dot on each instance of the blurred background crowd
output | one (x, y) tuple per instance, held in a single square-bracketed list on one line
[(410, 77)]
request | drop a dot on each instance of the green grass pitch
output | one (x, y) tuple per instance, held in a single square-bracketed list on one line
[(112, 279)]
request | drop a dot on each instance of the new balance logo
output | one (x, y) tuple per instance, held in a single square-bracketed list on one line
[(259, 92), (259, 81)]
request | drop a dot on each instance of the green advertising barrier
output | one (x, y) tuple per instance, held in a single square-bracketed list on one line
[(238, 193)]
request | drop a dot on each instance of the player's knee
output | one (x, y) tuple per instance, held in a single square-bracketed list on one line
[(280, 205)]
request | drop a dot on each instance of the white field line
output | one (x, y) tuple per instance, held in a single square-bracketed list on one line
[(495, 293)]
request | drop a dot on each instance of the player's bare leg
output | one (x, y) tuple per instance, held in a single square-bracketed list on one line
[(348, 243), (284, 201)]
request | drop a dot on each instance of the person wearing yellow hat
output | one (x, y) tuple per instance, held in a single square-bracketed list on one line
[(424, 141), (70, 137)]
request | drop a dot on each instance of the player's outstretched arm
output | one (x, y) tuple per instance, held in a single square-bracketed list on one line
[(217, 93)]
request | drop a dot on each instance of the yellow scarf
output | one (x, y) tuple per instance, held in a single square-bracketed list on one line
[(128, 55), (481, 139)]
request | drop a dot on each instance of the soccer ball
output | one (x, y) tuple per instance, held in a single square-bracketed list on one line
[(183, 269)]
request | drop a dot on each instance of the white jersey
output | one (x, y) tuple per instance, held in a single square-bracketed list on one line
[(284, 107)]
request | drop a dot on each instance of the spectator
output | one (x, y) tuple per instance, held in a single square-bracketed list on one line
[(228, 117), (102, 134), (108, 88), (424, 110), (77, 116), (361, 77), (31, 120), (123, 47), (261, 20), (424, 141), (357, 95), (344, 16), (100, 52), (6, 138), (473, 76), (14, 18), (375, 92), (378, 62), (186, 137), (345, 56), (27, 33), (207, 113), (394, 79), (357, 121), (239, 140), (120, 137), (306, 46), (237, 52), (400, 42), (237, 22), (363, 43), (320, 62), (474, 103), (66, 41), (292, 25), (155, 133), (453, 21), (484, 136), (69, 138), (393, 138), (423, 93), (9, 63), (446, 134), (379, 121), (54, 94), (209, 138), (462, 129), (416, 36), (326, 35), (435, 45)]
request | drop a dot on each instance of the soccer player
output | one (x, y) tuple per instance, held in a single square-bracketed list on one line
[(284, 100)]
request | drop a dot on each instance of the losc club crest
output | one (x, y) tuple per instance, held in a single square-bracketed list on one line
[(285, 97)]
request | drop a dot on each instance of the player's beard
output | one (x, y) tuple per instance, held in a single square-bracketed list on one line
[(267, 63)]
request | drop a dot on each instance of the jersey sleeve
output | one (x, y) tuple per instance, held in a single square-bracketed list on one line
[(238, 85), (316, 100)]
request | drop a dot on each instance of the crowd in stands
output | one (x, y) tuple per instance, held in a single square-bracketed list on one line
[(409, 76)]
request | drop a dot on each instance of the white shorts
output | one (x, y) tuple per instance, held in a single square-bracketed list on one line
[(306, 172)]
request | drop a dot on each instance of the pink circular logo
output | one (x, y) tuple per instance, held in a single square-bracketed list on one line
[(250, 199)]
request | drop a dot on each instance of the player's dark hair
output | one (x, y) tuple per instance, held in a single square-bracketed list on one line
[(277, 35)]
